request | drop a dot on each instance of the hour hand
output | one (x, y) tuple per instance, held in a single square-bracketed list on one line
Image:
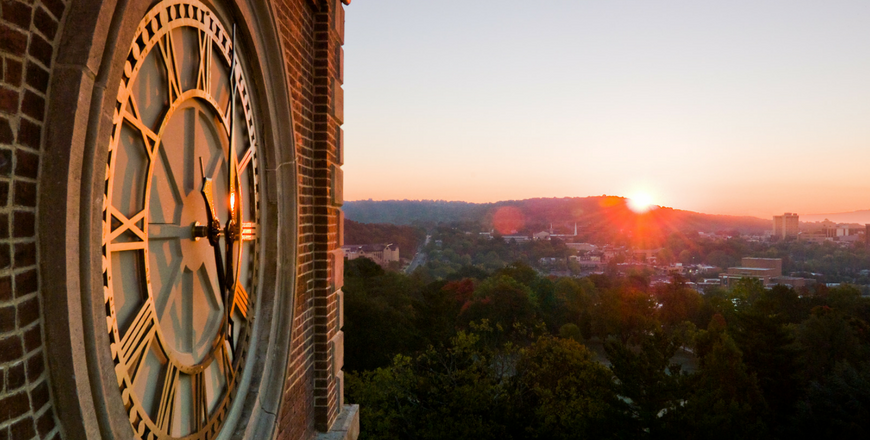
[(212, 230)]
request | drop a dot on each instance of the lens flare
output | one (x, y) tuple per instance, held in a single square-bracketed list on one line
[(508, 220), (640, 202)]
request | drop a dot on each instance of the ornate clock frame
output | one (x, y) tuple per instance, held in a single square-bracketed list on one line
[(72, 221), (180, 309)]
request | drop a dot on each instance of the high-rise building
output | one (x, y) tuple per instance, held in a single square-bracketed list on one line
[(786, 225)]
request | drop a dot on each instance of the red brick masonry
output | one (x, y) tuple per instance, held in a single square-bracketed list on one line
[(312, 35)]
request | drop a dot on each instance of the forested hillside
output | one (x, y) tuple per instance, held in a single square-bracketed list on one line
[(408, 238), (510, 354), (406, 212), (599, 219)]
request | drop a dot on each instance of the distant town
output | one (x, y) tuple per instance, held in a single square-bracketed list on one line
[(585, 301), (573, 257)]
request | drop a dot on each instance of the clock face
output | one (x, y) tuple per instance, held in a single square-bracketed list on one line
[(180, 220)]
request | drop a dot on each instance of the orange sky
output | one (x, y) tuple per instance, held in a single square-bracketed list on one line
[(733, 108)]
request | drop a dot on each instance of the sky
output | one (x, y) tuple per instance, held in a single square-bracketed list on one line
[(723, 107)]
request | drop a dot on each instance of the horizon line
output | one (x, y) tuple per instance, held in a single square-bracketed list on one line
[(370, 199)]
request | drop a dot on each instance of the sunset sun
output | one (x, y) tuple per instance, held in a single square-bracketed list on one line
[(640, 202)]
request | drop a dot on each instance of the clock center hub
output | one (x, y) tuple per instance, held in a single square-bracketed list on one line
[(188, 298), (179, 337)]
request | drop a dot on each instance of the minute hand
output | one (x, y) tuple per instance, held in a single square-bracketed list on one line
[(233, 228)]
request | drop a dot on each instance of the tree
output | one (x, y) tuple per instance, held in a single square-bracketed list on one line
[(438, 308), (836, 407), (623, 312), (574, 300), (746, 291), (725, 402), (491, 261), (452, 392), (385, 399), (380, 314), (653, 387), (549, 307), (665, 256), (784, 303), (827, 338), (521, 272), (678, 303), (563, 393), (720, 258), (768, 350), (571, 331), (503, 302)]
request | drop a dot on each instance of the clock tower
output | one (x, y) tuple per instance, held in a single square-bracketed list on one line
[(170, 223)]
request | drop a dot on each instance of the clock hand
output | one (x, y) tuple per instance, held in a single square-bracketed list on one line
[(230, 272), (232, 222), (212, 229)]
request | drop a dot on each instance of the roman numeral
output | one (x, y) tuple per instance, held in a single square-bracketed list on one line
[(249, 231), (246, 159), (131, 246), (126, 225), (227, 363), (240, 300), (200, 402), (137, 339), (227, 115), (203, 78), (132, 116), (167, 49), (167, 398)]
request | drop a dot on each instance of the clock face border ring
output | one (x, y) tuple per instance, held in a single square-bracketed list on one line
[(96, 39)]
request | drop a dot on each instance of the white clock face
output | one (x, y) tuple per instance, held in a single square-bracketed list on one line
[(180, 223)]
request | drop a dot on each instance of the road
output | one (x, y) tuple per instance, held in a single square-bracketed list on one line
[(419, 258)]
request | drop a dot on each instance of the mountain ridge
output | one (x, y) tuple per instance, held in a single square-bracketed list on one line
[(600, 218), (861, 216)]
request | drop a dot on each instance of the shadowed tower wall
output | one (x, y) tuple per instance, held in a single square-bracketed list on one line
[(32, 34)]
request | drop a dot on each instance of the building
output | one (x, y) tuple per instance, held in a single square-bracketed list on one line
[(543, 235), (581, 247), (830, 231), (382, 254), (587, 261), (814, 236), (115, 121), (768, 270), (795, 282), (563, 235), (736, 273), (516, 238), (786, 225), (646, 255), (764, 269)]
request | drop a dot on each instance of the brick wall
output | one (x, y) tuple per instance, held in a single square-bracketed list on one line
[(28, 30), (312, 34), (329, 30)]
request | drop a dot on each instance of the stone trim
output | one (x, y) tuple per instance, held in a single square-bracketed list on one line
[(346, 426)]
